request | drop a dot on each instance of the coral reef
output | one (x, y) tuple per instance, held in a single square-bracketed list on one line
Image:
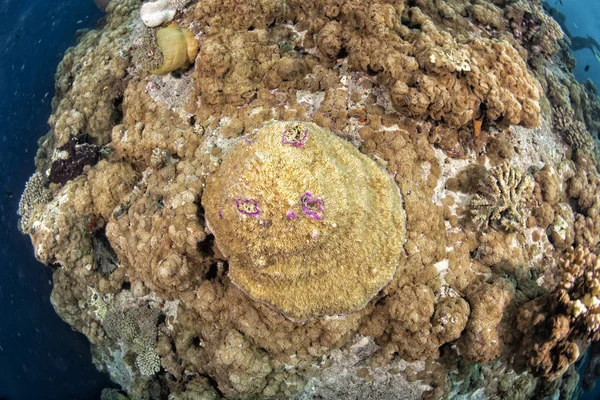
[(309, 225), (322, 199)]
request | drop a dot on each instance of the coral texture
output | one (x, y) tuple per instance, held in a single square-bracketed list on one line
[(35, 194), (309, 225), (557, 324), (325, 199), (503, 198), (135, 328)]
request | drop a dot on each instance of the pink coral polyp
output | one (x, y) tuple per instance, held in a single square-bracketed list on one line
[(312, 206), (247, 207)]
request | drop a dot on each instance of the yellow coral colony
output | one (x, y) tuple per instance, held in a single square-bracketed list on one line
[(310, 225), (179, 48)]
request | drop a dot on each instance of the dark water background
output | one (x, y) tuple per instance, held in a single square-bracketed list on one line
[(40, 356)]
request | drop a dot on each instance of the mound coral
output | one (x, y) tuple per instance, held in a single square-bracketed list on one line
[(344, 241)]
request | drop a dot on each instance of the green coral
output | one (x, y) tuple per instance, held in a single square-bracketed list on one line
[(136, 329), (502, 199)]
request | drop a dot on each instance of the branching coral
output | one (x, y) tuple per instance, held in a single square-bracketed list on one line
[(580, 289), (573, 131), (502, 199), (555, 324), (35, 194), (345, 243), (135, 328)]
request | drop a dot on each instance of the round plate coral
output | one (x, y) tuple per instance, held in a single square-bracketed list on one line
[(311, 226)]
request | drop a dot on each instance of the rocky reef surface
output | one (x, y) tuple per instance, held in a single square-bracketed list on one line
[(285, 199)]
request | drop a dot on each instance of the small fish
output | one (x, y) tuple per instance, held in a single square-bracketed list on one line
[(575, 25), (9, 193), (587, 68)]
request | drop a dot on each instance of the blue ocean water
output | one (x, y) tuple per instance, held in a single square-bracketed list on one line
[(40, 356), (582, 20)]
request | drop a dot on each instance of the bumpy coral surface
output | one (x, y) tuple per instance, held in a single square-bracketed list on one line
[(309, 224), (323, 200)]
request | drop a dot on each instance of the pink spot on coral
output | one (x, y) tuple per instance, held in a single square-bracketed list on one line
[(247, 207), (290, 215), (313, 207)]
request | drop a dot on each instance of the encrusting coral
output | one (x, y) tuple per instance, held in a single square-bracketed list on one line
[(322, 199), (309, 225), (71, 160)]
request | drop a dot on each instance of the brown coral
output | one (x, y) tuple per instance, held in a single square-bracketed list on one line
[(318, 196), (556, 324)]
